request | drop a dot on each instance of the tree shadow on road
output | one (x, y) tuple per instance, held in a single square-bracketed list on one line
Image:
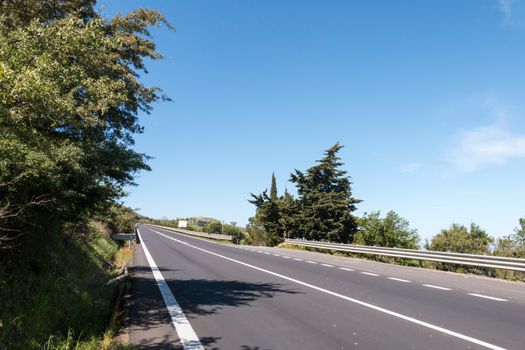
[(151, 322), (206, 297)]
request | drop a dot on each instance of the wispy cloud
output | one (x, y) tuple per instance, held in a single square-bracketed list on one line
[(486, 145), (410, 167), (505, 7)]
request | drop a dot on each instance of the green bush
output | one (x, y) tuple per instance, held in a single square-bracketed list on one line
[(213, 227), (235, 232)]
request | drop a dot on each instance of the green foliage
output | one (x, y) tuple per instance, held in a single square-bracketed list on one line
[(69, 100), (519, 233), (325, 200), (235, 232), (256, 235), (70, 96), (459, 239), (273, 189), (268, 213), (166, 222), (390, 231), (322, 211), (213, 227), (288, 220), (512, 245), (122, 219), (57, 289)]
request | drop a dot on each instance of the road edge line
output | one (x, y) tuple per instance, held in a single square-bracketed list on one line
[(185, 332)]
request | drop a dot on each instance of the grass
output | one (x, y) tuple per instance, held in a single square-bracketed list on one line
[(54, 297)]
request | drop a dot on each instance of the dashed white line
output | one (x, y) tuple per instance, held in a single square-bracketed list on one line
[(311, 262), (267, 253), (286, 257), (487, 297), (369, 273), (327, 265), (436, 287), (352, 300), (275, 254), (259, 251), (298, 259), (345, 269), (398, 279)]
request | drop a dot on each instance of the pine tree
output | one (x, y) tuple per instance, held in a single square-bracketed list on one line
[(325, 200), (288, 209)]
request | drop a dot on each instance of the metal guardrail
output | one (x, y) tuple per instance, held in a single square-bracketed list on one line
[(198, 234), (491, 261)]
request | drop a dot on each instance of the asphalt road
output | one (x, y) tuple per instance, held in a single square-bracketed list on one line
[(253, 298)]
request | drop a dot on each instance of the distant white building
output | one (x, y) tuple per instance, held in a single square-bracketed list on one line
[(182, 224)]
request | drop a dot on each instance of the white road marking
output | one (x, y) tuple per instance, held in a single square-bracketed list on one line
[(487, 297), (311, 262), (286, 257), (369, 273), (298, 259), (267, 253), (398, 279), (259, 251), (327, 265), (352, 300), (187, 336), (275, 254), (345, 269), (436, 287)]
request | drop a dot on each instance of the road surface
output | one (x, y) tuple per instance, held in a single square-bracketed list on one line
[(208, 295)]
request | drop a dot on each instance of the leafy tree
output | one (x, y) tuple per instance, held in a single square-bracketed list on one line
[(288, 209), (519, 232), (512, 245), (390, 231), (325, 200), (233, 231), (460, 239), (213, 227), (69, 99), (256, 234)]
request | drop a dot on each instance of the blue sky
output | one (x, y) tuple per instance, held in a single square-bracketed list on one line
[(427, 97)]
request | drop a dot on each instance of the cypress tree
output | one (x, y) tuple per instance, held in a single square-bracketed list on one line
[(273, 189), (267, 213)]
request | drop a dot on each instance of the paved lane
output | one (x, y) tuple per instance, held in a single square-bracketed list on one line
[(258, 298)]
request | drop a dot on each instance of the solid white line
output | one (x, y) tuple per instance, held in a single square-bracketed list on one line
[(436, 287), (352, 300), (487, 297), (327, 265), (187, 336), (369, 273), (311, 262), (345, 269), (298, 259), (398, 279)]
